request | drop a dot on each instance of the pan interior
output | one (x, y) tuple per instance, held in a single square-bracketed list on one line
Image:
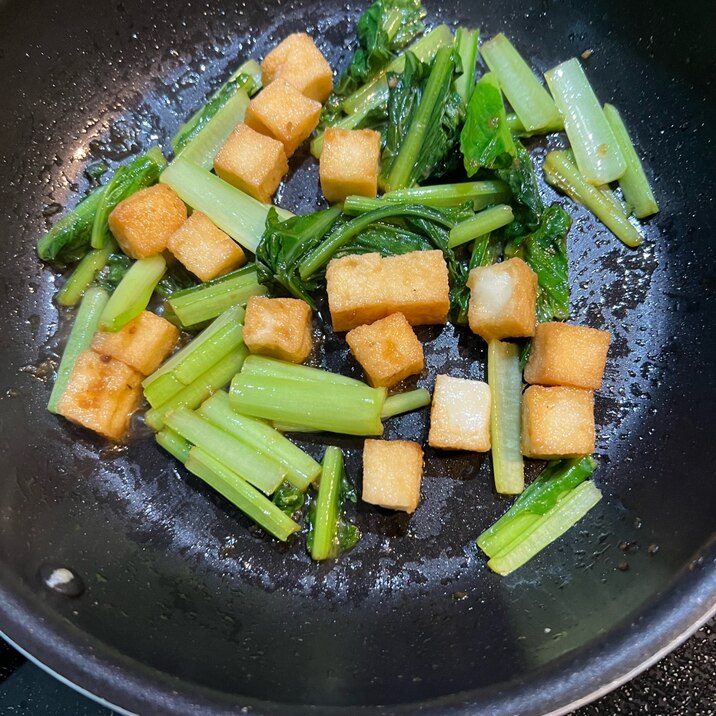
[(174, 577)]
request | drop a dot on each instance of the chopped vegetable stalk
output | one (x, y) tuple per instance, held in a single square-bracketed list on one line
[(547, 528), (505, 379), (301, 469), (241, 216), (226, 341), (275, 368), (530, 100), (633, 182), (482, 223), (405, 402), (480, 193), (323, 253), (241, 494), (202, 149), (247, 77), (557, 479), (411, 162), (249, 464), (485, 139), (595, 147), (174, 444), (80, 338), (69, 239), (353, 410), (466, 42), (561, 172), (205, 302), (201, 343), (163, 389), (132, 295), (372, 94), (327, 505), (140, 173), (204, 386), (83, 275)]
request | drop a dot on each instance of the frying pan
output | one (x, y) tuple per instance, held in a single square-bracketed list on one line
[(177, 605)]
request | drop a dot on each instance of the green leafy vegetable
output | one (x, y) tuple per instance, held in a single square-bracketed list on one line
[(140, 173), (545, 250), (527, 207), (84, 274), (133, 293), (384, 29), (541, 513), (329, 531), (113, 272), (289, 499), (424, 118), (69, 239), (283, 246), (561, 172), (247, 78), (486, 140), (292, 254)]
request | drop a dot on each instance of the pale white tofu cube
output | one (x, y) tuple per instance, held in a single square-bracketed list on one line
[(460, 415)]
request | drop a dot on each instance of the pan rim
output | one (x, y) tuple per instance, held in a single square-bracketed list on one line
[(575, 679)]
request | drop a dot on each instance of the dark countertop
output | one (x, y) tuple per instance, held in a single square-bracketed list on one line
[(681, 684)]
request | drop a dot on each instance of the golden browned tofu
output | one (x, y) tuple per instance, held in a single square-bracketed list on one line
[(503, 300), (252, 162), (363, 288), (278, 327), (282, 112), (299, 62), (557, 422), (388, 350), (349, 164), (142, 344), (460, 415), (392, 473), (143, 222), (102, 395), (204, 248), (563, 354)]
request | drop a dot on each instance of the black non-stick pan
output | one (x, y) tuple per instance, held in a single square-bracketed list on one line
[(177, 605)]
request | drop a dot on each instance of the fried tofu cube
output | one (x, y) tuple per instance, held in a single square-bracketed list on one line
[(142, 344), (364, 288), (278, 327), (299, 62), (563, 354), (557, 422), (204, 249), (388, 350), (282, 112), (252, 162), (503, 300), (349, 164), (460, 415), (143, 222), (392, 473), (101, 395)]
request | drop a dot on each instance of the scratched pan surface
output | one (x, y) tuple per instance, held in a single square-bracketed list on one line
[(185, 609)]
